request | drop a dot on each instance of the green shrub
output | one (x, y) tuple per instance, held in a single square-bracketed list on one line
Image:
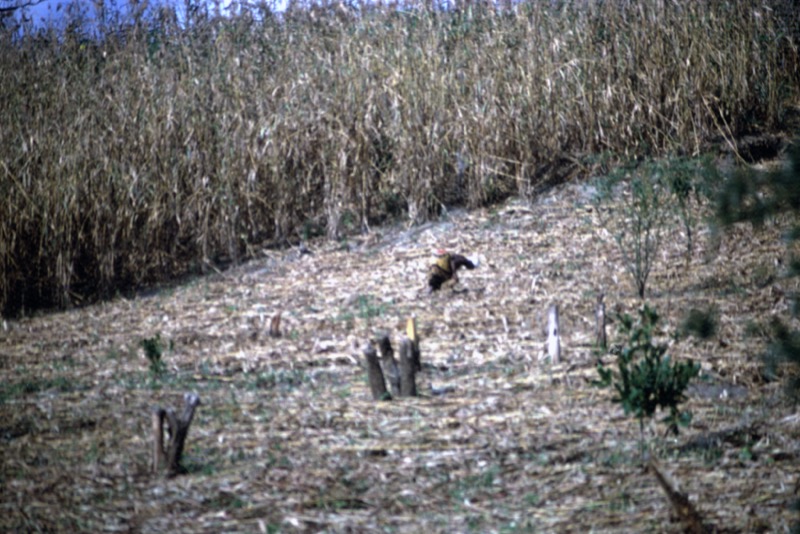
[(646, 378), (633, 206), (638, 201), (700, 323), (153, 350), (690, 180)]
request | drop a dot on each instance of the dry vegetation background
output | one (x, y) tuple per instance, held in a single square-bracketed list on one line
[(160, 150), (153, 148)]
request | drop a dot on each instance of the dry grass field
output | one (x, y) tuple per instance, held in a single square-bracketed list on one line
[(287, 438), (175, 184)]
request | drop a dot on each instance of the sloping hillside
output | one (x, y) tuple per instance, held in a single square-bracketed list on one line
[(288, 439)]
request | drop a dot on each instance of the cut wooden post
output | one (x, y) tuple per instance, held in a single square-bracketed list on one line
[(411, 332), (178, 427), (275, 325), (389, 361), (553, 335), (601, 341), (159, 458), (179, 430), (377, 384), (408, 384)]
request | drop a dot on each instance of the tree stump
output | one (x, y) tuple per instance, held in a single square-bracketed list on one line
[(169, 458), (377, 384), (387, 356), (408, 369), (402, 377), (275, 325), (411, 332)]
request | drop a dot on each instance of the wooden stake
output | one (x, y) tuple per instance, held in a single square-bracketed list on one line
[(601, 341), (159, 458), (275, 325), (553, 335)]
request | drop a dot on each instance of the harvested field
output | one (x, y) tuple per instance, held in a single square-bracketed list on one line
[(287, 437)]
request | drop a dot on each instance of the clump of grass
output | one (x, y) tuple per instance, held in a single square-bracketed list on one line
[(138, 149), (30, 386), (154, 351), (284, 379), (702, 324)]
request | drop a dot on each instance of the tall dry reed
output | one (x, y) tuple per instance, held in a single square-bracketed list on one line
[(143, 150)]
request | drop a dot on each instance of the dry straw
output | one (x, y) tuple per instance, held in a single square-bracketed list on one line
[(154, 147)]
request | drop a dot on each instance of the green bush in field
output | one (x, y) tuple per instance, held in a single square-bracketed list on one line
[(639, 201), (635, 213), (690, 181), (154, 351), (646, 378), (702, 324)]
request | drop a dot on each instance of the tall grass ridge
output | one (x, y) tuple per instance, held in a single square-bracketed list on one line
[(134, 151)]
